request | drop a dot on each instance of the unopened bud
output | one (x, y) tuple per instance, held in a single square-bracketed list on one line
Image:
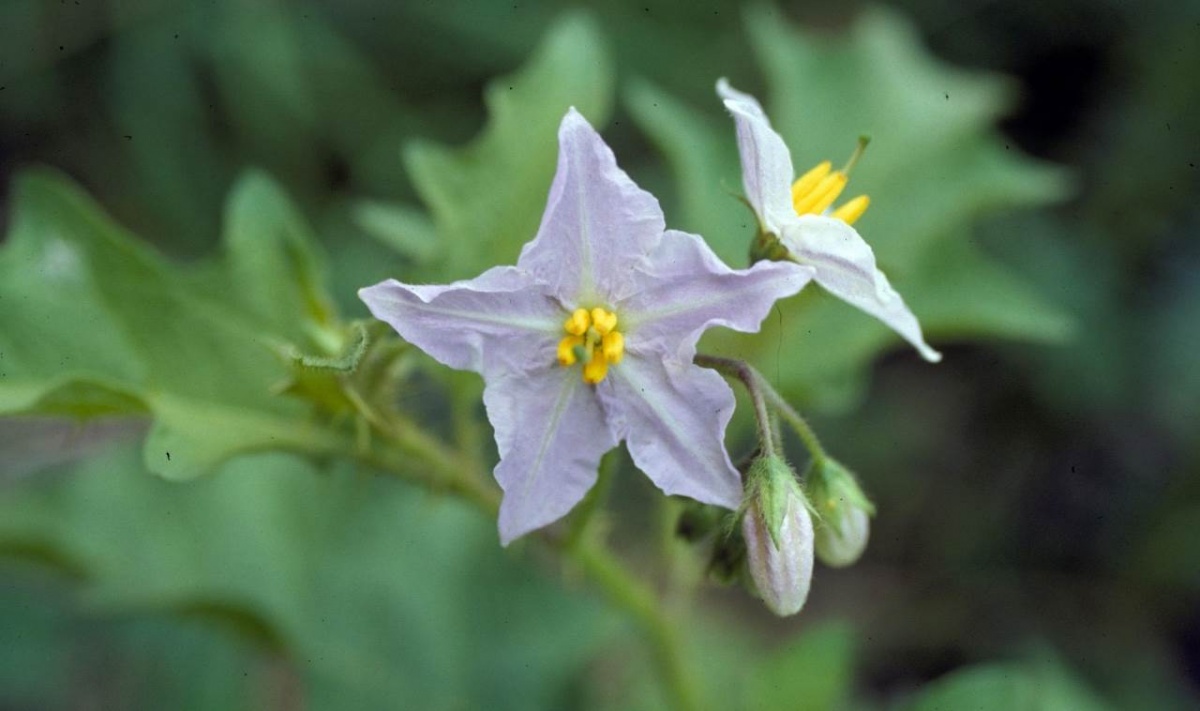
[(845, 526), (778, 531), (842, 537)]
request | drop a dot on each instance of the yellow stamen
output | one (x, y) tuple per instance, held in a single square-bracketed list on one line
[(578, 322), (808, 181), (613, 347), (823, 195), (817, 190), (595, 370), (852, 210), (603, 321), (566, 350), (592, 341)]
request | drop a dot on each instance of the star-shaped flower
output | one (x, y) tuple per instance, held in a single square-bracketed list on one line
[(589, 341), (798, 215)]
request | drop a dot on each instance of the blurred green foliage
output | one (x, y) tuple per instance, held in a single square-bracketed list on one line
[(279, 577)]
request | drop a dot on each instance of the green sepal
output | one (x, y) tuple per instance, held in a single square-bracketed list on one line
[(830, 483), (771, 482)]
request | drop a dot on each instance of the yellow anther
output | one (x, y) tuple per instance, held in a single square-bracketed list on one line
[(852, 210), (593, 341), (578, 322), (566, 350), (823, 195), (595, 370), (613, 347), (603, 321), (802, 187)]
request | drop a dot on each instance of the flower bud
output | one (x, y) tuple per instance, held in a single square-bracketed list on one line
[(778, 531), (841, 536)]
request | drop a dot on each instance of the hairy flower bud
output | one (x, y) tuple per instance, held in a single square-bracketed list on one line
[(845, 526), (842, 537), (779, 536)]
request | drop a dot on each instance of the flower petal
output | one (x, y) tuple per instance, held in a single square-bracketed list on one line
[(597, 223), (672, 417), (845, 266), (767, 171), (683, 288), (499, 322), (551, 433)]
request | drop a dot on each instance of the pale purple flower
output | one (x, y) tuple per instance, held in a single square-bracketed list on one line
[(801, 220), (778, 531), (589, 341)]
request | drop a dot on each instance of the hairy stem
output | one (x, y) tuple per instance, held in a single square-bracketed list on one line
[(762, 394), (797, 422), (754, 388)]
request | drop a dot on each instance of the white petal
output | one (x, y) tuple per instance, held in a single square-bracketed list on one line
[(501, 321), (551, 433), (767, 171), (841, 539), (846, 268), (672, 417), (683, 288), (597, 223), (782, 575)]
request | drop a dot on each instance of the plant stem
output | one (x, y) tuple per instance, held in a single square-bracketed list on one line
[(636, 598), (580, 522), (761, 394), (445, 470), (753, 383), (797, 422)]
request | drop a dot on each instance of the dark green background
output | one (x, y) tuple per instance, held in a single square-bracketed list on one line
[(1038, 537)]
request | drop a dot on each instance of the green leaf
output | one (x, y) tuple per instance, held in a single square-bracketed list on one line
[(487, 198), (404, 229), (190, 438), (813, 673), (704, 159), (99, 324), (1035, 686), (375, 591), (934, 168), (177, 166), (272, 259)]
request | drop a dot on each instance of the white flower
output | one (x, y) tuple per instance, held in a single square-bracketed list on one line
[(797, 214), (589, 341)]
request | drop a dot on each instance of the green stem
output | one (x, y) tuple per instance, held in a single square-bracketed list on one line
[(797, 422), (436, 467), (594, 500), (762, 394), (752, 382), (445, 470), (629, 593)]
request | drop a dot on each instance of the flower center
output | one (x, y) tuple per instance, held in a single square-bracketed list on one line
[(593, 339), (815, 191)]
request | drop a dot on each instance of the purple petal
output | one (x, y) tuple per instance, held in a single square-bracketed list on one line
[(499, 322), (598, 224), (846, 268), (684, 288), (551, 433), (767, 171), (672, 417)]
